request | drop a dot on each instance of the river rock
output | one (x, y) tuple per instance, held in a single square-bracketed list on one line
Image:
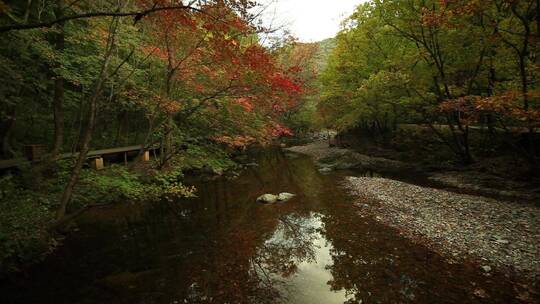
[(285, 196), (325, 169), (267, 198)]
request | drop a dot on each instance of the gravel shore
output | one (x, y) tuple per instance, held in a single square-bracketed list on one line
[(473, 182), (333, 158), (317, 150), (505, 235)]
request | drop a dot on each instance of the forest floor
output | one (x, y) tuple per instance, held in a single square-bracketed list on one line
[(499, 234)]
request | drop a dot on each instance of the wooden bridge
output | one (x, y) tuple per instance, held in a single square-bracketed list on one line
[(96, 156)]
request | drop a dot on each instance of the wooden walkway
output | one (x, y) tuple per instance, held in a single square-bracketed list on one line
[(15, 162)]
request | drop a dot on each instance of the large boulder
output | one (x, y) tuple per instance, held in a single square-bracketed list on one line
[(285, 196), (267, 198)]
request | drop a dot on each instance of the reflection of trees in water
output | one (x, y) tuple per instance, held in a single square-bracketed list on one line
[(291, 244), (224, 248), (375, 265), (247, 268), (229, 248), (367, 262)]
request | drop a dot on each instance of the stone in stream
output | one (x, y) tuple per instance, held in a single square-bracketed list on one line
[(271, 198), (267, 198), (285, 196), (325, 169)]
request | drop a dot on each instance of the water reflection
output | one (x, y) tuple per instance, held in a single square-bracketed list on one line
[(309, 281), (222, 247)]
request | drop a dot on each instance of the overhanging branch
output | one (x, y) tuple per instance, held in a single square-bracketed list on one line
[(136, 14)]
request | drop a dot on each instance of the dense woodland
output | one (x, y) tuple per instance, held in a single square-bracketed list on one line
[(203, 80), (455, 67)]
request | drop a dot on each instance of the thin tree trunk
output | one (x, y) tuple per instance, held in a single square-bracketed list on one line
[(27, 11), (87, 136)]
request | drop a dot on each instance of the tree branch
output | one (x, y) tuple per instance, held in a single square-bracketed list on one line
[(137, 14)]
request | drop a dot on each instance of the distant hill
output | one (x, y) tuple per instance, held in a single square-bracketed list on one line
[(325, 47)]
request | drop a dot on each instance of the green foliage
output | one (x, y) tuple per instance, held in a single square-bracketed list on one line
[(167, 186), (210, 155), (175, 78), (27, 212), (412, 61), (118, 184), (24, 217), (115, 184)]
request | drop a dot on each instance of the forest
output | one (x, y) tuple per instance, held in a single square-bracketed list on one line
[(459, 65), (185, 77), (163, 122)]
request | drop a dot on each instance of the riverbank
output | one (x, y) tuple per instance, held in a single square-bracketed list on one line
[(29, 197), (495, 233), (498, 234), (471, 180)]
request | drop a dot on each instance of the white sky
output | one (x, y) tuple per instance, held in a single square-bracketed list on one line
[(309, 20)]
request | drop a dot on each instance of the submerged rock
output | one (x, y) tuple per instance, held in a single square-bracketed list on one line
[(267, 198), (285, 196)]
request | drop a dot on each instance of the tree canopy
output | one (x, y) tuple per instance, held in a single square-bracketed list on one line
[(452, 63)]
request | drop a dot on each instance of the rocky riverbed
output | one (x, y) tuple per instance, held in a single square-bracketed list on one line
[(499, 234), (495, 233), (465, 180)]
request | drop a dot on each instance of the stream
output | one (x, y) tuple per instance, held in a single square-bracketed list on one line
[(223, 247)]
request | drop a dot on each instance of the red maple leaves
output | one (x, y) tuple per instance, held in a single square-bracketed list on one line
[(212, 50)]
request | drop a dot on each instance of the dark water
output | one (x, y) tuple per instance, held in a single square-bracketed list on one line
[(222, 247)]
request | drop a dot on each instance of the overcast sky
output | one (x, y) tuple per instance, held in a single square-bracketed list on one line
[(309, 20)]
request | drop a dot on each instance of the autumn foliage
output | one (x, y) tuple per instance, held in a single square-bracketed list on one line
[(212, 65)]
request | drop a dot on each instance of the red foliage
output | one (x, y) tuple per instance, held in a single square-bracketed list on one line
[(204, 53), (281, 82), (245, 102), (278, 131), (442, 15), (507, 105)]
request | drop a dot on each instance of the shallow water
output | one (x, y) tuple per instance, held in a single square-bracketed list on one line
[(222, 247)]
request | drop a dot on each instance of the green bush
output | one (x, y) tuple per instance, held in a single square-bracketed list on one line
[(24, 218), (26, 211)]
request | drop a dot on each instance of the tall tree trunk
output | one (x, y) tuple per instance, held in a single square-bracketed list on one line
[(121, 118), (58, 99), (75, 146), (6, 131)]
